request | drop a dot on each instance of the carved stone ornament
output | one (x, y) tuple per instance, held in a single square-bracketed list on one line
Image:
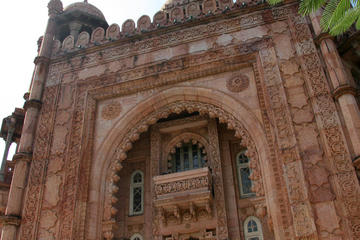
[(225, 3), (209, 6), (177, 14), (144, 23), (111, 111), (238, 83), (113, 32), (193, 10), (55, 7), (160, 18), (128, 27), (56, 46), (98, 35), (68, 43), (83, 39), (127, 144)]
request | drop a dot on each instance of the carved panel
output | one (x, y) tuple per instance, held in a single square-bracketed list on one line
[(328, 119), (33, 196)]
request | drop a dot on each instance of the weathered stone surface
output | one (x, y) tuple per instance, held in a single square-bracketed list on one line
[(237, 92)]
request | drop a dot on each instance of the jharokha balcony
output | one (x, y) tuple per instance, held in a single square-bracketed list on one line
[(183, 196)]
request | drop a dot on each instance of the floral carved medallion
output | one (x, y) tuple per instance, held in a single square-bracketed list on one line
[(111, 111), (237, 83)]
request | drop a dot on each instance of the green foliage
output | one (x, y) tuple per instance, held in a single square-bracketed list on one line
[(338, 15)]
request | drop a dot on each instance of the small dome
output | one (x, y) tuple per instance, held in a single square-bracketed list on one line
[(86, 8)]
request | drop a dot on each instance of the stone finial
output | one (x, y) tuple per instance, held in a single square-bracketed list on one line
[(55, 7)]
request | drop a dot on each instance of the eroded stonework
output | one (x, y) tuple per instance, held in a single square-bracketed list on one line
[(234, 95)]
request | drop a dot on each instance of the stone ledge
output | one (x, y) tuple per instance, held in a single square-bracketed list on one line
[(10, 220), (33, 103), (22, 156), (342, 90)]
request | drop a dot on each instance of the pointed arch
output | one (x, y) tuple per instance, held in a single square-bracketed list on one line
[(215, 104)]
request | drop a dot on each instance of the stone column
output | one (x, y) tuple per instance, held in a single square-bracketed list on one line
[(32, 106), (10, 122), (344, 91)]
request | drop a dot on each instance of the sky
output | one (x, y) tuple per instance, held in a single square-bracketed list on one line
[(23, 22)]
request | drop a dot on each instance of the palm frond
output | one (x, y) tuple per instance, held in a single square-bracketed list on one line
[(274, 2), (357, 24), (308, 6), (339, 13), (327, 14), (351, 16)]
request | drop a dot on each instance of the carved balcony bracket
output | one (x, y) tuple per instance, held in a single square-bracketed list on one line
[(183, 197)]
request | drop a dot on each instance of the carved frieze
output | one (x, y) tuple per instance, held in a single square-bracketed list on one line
[(182, 182)]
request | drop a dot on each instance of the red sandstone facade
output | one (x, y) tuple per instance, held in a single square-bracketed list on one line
[(113, 113)]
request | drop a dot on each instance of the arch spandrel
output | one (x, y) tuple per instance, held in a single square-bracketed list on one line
[(128, 129)]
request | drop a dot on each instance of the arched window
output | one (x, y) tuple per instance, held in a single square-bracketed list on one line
[(137, 193), (243, 172), (136, 236), (186, 157), (253, 229)]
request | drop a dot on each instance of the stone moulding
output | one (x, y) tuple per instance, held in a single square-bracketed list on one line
[(143, 126), (143, 83), (172, 36), (102, 93), (198, 180)]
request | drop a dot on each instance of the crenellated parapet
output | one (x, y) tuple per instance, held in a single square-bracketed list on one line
[(174, 13)]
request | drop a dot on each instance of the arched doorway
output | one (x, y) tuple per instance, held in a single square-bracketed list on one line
[(207, 102)]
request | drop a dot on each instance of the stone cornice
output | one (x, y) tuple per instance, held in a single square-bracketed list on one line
[(182, 33), (322, 36), (342, 90), (10, 220), (22, 156), (41, 59), (32, 103)]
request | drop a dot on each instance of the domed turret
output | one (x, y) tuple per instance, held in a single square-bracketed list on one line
[(78, 17), (84, 8)]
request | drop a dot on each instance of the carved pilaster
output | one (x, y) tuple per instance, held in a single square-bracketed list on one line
[(215, 164)]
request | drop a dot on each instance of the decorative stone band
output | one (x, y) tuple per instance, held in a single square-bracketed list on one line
[(32, 103), (22, 156), (183, 181), (10, 220), (108, 229), (344, 89), (41, 59), (322, 36)]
